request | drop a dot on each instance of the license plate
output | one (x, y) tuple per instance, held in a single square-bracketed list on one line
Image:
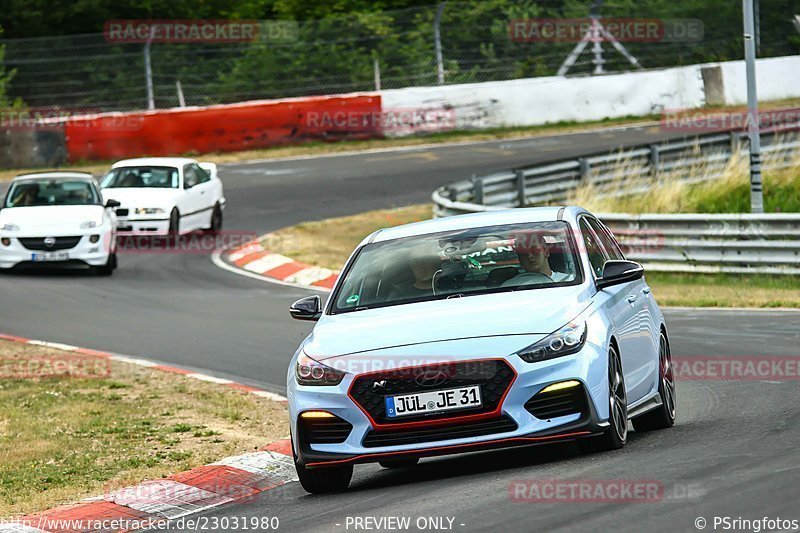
[(433, 401), (50, 256)]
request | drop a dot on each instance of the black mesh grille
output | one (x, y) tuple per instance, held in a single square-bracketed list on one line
[(325, 430), (375, 439), (493, 376), (122, 212), (61, 243), (546, 405)]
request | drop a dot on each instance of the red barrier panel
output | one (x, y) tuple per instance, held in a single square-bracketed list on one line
[(222, 128)]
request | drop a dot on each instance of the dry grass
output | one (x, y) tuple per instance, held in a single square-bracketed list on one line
[(62, 439), (330, 242), (704, 192)]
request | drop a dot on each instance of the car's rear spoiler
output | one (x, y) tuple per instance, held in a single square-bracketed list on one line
[(211, 168)]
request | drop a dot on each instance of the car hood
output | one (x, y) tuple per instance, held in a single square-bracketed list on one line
[(142, 197), (528, 313), (55, 220)]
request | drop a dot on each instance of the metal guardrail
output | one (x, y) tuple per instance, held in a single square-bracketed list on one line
[(735, 243)]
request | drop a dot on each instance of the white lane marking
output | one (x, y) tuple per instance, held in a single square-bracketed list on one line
[(216, 258), (210, 379), (266, 263), (167, 498), (57, 345), (269, 395), (278, 467), (133, 361), (309, 276)]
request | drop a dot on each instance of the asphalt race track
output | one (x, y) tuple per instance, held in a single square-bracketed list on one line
[(733, 452)]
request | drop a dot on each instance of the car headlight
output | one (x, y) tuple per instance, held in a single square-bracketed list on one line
[(90, 224), (148, 210), (9, 227), (567, 340), (310, 372)]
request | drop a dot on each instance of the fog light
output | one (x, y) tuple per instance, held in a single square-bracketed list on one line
[(316, 414), (562, 385), (94, 238), (6, 241)]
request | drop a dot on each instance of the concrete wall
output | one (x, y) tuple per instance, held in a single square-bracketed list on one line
[(535, 101), (29, 147)]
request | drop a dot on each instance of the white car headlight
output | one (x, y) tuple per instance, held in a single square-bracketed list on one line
[(149, 210), (9, 227), (567, 340)]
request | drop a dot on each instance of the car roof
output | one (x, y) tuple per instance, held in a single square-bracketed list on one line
[(53, 174), (177, 162), (478, 220)]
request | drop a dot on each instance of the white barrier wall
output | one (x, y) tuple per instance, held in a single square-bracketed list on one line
[(776, 79), (535, 101)]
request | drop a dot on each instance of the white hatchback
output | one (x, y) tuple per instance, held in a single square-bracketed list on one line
[(58, 219), (165, 195)]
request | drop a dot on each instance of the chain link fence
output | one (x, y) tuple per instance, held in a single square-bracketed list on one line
[(369, 51)]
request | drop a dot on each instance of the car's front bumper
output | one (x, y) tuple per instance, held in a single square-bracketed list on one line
[(141, 224), (84, 252), (589, 367)]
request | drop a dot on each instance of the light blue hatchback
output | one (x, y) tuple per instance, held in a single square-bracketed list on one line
[(497, 329)]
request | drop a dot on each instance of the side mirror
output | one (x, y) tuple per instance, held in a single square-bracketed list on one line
[(112, 203), (616, 272), (308, 308)]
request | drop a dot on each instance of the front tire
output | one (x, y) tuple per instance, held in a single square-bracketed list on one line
[(616, 435), (216, 219), (174, 222), (663, 416), (109, 267), (322, 480)]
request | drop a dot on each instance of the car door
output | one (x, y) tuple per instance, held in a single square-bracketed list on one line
[(648, 316), (207, 192), (615, 303), (191, 204)]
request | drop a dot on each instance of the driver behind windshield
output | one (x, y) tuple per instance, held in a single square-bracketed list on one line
[(534, 257), (424, 263)]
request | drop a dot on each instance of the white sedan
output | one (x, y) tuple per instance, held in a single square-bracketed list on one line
[(57, 218), (165, 195)]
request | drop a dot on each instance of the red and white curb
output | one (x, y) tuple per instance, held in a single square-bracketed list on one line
[(142, 506), (125, 509), (253, 260)]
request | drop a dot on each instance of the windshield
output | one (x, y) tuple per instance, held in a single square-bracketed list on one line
[(137, 177), (462, 263), (49, 191)]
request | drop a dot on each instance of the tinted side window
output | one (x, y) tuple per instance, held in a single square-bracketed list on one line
[(202, 175), (606, 240), (593, 248), (189, 177)]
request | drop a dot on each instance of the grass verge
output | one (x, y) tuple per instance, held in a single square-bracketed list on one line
[(65, 438), (329, 243)]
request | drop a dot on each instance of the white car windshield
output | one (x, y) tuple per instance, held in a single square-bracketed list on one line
[(138, 177), (460, 263), (51, 191)]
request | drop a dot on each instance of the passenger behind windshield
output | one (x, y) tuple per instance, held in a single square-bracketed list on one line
[(534, 258)]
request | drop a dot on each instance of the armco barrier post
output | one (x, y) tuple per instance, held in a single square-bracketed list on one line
[(654, 160), (521, 199), (477, 190)]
